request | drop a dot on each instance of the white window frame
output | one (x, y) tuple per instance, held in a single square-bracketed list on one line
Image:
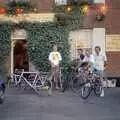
[(99, 1), (60, 2)]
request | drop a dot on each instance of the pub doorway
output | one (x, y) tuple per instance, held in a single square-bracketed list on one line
[(19, 49), (20, 56)]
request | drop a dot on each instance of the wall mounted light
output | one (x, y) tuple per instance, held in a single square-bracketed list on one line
[(69, 8), (85, 8)]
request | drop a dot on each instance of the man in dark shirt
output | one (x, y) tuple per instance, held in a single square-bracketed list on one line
[(81, 55)]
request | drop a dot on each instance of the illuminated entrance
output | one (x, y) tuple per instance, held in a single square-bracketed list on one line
[(19, 53)]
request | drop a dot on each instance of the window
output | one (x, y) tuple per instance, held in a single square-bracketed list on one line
[(99, 1), (80, 39), (113, 42), (60, 2)]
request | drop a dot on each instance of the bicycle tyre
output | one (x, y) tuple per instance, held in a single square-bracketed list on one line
[(98, 89), (85, 91), (65, 84), (75, 86), (2, 96)]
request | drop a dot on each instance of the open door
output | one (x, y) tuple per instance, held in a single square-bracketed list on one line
[(21, 60), (19, 51)]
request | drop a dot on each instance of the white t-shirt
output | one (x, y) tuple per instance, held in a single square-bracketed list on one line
[(89, 59), (55, 58), (99, 61)]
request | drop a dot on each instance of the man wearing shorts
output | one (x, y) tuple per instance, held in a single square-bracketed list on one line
[(55, 59), (99, 64)]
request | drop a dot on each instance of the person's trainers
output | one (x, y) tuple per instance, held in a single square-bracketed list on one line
[(57, 88), (102, 93), (49, 92), (87, 85)]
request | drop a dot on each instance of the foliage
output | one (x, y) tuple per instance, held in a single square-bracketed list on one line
[(72, 19), (72, 15), (5, 33), (41, 37), (20, 5)]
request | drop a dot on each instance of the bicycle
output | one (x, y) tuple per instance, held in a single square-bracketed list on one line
[(78, 80), (2, 91), (36, 81), (93, 83), (75, 80)]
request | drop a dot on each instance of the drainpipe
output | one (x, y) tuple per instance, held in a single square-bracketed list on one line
[(12, 57)]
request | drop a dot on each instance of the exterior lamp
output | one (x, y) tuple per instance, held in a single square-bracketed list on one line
[(69, 9), (85, 8), (101, 13), (103, 9)]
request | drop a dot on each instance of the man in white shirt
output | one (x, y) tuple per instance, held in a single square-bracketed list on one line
[(99, 61), (99, 64), (89, 59), (55, 59)]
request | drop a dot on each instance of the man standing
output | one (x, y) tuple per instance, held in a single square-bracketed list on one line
[(88, 59), (99, 64), (81, 55), (55, 59)]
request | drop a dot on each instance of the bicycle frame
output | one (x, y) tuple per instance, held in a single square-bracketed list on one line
[(42, 78)]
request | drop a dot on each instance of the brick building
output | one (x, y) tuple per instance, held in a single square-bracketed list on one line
[(105, 33)]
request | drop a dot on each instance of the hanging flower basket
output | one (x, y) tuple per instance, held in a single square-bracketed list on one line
[(3, 9), (14, 8)]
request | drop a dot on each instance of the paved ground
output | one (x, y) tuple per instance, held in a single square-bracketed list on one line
[(29, 106)]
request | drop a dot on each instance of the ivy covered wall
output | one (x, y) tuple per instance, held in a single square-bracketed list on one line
[(41, 37), (5, 33)]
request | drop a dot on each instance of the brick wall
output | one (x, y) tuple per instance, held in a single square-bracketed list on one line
[(42, 5), (46, 5), (111, 21), (113, 27), (113, 66)]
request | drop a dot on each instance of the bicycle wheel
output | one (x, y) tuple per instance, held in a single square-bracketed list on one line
[(2, 95), (65, 83), (98, 88), (86, 90), (75, 85)]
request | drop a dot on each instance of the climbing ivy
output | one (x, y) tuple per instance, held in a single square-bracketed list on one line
[(71, 19), (5, 33), (41, 37)]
